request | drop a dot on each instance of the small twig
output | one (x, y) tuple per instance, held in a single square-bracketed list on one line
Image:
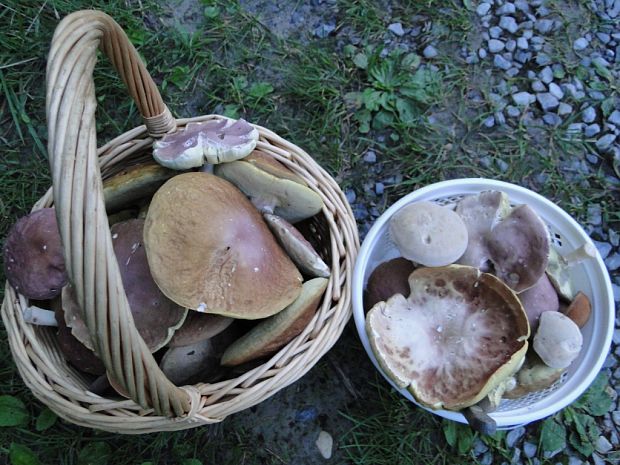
[(17, 63), (36, 16), (345, 379), (275, 455)]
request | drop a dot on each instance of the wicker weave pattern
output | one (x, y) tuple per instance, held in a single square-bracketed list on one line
[(77, 169)]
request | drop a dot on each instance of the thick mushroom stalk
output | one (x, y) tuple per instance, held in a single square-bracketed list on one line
[(214, 141)]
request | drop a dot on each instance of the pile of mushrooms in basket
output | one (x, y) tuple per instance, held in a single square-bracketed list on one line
[(205, 243), (477, 308)]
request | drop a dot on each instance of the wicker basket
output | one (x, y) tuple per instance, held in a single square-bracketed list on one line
[(78, 168)]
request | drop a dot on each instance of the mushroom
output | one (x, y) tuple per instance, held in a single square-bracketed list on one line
[(519, 248), (579, 309), (275, 332), (558, 340), (267, 163), (209, 250), (33, 256), (387, 279), (156, 317), (429, 234), (270, 194), (134, 184), (480, 213), (533, 376), (458, 335), (213, 141), (297, 247), (539, 298), (198, 327), (559, 266), (73, 319)]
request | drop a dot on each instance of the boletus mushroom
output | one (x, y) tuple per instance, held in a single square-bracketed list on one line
[(33, 256), (558, 268), (539, 298), (213, 141), (558, 340), (387, 279), (210, 250), (429, 234), (198, 327), (456, 337)]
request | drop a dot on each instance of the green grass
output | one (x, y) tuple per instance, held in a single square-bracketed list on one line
[(224, 60)]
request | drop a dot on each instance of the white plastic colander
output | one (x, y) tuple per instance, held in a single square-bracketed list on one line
[(590, 277)]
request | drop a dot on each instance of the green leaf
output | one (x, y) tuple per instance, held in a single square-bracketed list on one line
[(363, 117), (595, 400), (449, 431), (373, 99), (212, 12), (608, 106), (411, 61), (382, 120), (598, 85), (349, 50), (552, 435), (582, 72), (240, 82), (231, 110), (406, 111), (585, 434), (22, 455), (45, 420), (467, 4), (361, 61), (353, 100), (602, 71), (95, 453), (180, 76), (13, 412), (191, 462), (466, 439), (260, 90)]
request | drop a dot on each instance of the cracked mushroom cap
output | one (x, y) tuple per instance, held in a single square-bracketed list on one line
[(519, 248), (213, 141), (210, 250), (480, 213), (271, 194), (456, 337), (156, 317), (33, 256), (429, 234)]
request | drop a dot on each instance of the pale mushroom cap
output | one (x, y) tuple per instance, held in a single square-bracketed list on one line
[(275, 332), (539, 298), (519, 248), (458, 335), (429, 234), (558, 340), (33, 256), (297, 247), (210, 250), (270, 194), (213, 141), (533, 376), (272, 166), (480, 213)]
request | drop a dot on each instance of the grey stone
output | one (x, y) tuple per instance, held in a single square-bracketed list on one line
[(603, 37), (601, 62), (616, 337), (523, 98), (613, 262), (379, 188), (495, 32), (544, 26), (543, 11), (350, 194), (574, 129), (512, 72), (430, 52), (523, 57), (513, 436), (324, 30), (506, 9), (496, 46), (370, 157), (472, 59), (616, 290), (529, 449), (482, 53), (547, 101), (528, 34), (502, 165), (595, 214), (522, 43), (480, 447), (500, 62), (564, 109), (508, 23), (572, 460), (546, 75), (605, 142), (580, 44), (596, 95), (500, 118), (588, 115), (483, 9), (543, 59), (592, 130), (552, 119), (522, 5), (487, 458), (511, 45), (486, 161), (396, 29), (592, 158), (512, 111), (614, 118), (516, 456), (616, 417), (598, 460), (614, 237), (489, 121)]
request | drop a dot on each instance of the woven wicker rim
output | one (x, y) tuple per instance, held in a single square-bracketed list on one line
[(77, 167)]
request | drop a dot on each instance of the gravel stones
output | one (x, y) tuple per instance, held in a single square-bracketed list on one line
[(483, 9), (556, 91), (430, 52), (538, 86), (588, 115), (522, 43), (523, 98), (396, 29), (508, 23), (513, 436), (580, 44), (605, 142), (591, 130), (547, 101), (544, 26), (500, 62), (614, 118), (546, 75)]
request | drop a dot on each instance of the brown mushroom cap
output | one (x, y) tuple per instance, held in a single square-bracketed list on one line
[(198, 327), (213, 141), (457, 336), (579, 309), (33, 256), (297, 247), (429, 234), (210, 250), (156, 317), (519, 248), (388, 279), (275, 332), (272, 166), (539, 298), (72, 317), (270, 194)]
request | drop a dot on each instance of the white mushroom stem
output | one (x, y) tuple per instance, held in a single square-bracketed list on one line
[(39, 316), (580, 254)]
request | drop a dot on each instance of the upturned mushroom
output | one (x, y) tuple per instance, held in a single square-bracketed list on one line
[(480, 213), (458, 335), (558, 340), (297, 247), (213, 141), (210, 250), (275, 332), (33, 256), (429, 234), (271, 194), (387, 279), (558, 268), (519, 248)]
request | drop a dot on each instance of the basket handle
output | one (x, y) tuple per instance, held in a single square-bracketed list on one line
[(78, 198)]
